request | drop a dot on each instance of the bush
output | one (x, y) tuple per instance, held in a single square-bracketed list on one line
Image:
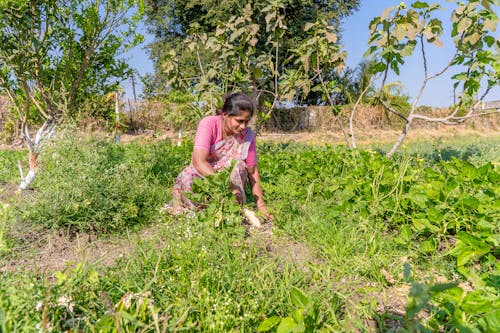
[(101, 186)]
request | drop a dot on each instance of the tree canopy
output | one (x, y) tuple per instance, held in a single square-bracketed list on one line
[(267, 24), (58, 55)]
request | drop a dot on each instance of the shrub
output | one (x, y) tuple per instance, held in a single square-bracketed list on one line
[(102, 186)]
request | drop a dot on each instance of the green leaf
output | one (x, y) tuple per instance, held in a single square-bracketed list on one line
[(470, 202), (370, 51), (420, 5), (378, 67), (287, 325), (478, 301), (404, 235), (298, 315), (395, 67), (440, 287), (317, 88), (490, 322), (268, 324), (489, 40), (298, 298), (418, 199), (105, 324), (425, 224), (469, 247), (429, 245), (60, 277)]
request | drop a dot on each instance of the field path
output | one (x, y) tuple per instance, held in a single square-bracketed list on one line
[(43, 250)]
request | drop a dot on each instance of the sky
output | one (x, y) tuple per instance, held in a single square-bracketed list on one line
[(438, 93)]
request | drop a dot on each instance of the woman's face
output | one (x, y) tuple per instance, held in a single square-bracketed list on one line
[(236, 124)]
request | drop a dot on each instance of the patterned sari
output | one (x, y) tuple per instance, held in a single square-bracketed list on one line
[(221, 155)]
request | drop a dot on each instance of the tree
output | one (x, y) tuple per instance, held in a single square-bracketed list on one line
[(260, 48), (315, 56), (476, 61), (278, 27), (56, 55)]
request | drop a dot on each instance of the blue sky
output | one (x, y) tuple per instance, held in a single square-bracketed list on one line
[(439, 92)]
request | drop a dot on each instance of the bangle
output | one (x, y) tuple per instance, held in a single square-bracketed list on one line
[(261, 204)]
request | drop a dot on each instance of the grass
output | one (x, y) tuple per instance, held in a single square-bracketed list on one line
[(353, 213), (8, 164), (476, 149), (100, 186)]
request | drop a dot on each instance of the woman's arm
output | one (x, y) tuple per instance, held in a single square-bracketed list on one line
[(200, 162), (253, 175)]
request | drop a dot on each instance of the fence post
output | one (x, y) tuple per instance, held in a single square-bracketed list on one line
[(117, 116)]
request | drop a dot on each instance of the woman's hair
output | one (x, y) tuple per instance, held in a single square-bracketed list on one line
[(235, 103)]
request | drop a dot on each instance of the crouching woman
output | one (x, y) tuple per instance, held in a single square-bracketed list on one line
[(220, 140)]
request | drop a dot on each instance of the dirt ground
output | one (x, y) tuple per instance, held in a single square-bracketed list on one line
[(46, 251), (371, 137)]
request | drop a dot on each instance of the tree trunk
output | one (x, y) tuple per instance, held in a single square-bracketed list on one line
[(400, 139), (35, 146), (33, 170)]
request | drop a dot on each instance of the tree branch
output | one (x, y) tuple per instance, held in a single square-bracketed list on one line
[(452, 120), (332, 104), (351, 118), (391, 109)]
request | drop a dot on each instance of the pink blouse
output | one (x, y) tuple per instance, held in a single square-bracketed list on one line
[(209, 132)]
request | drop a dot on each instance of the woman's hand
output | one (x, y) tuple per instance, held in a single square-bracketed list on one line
[(263, 209), (253, 175)]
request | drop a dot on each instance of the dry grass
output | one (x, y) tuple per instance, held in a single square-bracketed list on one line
[(321, 118), (378, 136)]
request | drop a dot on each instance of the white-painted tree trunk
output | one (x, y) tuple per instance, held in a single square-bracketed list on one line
[(117, 120), (33, 170), (35, 146), (179, 138)]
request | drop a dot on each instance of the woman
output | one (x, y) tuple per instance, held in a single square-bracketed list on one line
[(219, 140)]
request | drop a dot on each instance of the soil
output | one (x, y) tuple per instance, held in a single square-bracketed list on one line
[(37, 248), (47, 251), (371, 137), (284, 249), (7, 191)]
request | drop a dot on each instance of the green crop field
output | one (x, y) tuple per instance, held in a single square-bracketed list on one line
[(359, 242)]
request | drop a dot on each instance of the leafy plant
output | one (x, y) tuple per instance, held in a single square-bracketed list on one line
[(4, 219), (214, 193), (102, 186), (451, 307), (8, 165), (304, 318)]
